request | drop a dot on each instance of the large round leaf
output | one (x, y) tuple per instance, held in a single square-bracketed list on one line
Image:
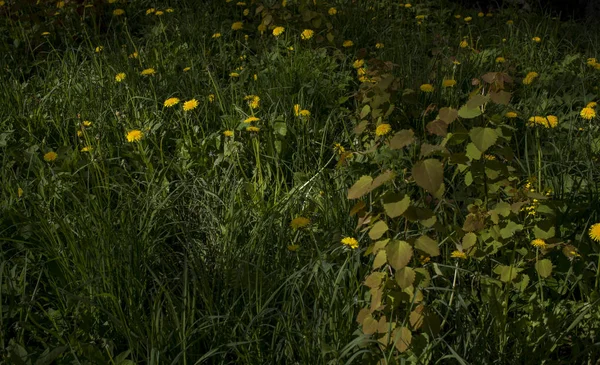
[(483, 138), (429, 174), (399, 254)]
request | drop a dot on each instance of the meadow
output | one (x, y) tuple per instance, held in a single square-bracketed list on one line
[(297, 182)]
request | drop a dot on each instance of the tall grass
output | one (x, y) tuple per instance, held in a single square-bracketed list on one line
[(178, 248)]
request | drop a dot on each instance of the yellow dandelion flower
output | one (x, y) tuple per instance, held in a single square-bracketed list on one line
[(190, 105), (255, 77), (458, 255), (254, 102), (253, 129), (457, 16), (480, 14), (307, 34), (19, 190), (552, 121), (379, 45), (169, 10), (530, 77), (251, 120), (234, 74), (50, 156), (134, 55), (383, 129), (468, 19), (332, 11), (120, 77), (350, 242), (134, 135), (211, 98), (150, 11), (79, 134), (216, 35), (99, 49), (448, 83), (60, 4), (588, 113), (228, 133), (237, 25), (297, 110), (358, 63), (186, 69), (159, 13), (45, 33), (591, 104), (591, 61), (304, 113), (347, 44), (246, 12), (500, 59), (118, 12), (408, 6), (87, 149), (299, 222), (536, 39), (464, 44), (171, 102), (510, 115), (338, 148), (594, 232), (426, 88), (538, 120), (539, 243), (277, 31), (148, 71)]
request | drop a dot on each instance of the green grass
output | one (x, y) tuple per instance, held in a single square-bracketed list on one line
[(177, 248)]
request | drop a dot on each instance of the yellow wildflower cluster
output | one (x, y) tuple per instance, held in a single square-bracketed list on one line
[(550, 121)]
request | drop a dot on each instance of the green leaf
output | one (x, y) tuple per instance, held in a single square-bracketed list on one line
[(502, 208), (473, 152), (280, 128), (365, 111), (483, 138), (405, 277), (437, 127), (476, 101), (380, 259), (510, 229), (468, 178), (468, 113), (500, 97), (378, 230), (427, 245), (544, 268), (544, 230), (402, 139), (374, 279), (507, 273), (399, 254), (394, 206), (469, 240), (402, 338), (360, 188), (448, 115), (369, 325), (382, 179), (429, 174)]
